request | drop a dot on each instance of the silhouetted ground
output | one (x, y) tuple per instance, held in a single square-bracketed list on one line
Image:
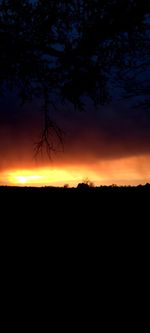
[(81, 189), (103, 231), (90, 202)]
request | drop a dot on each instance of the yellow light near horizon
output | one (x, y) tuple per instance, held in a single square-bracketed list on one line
[(41, 177), (124, 171), (26, 179), (21, 179)]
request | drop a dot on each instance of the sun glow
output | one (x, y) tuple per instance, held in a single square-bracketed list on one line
[(26, 179), (41, 177), (125, 171)]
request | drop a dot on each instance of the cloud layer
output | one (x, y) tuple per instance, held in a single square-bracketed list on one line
[(92, 137)]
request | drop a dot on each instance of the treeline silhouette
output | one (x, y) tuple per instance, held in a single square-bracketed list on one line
[(81, 187), (67, 210)]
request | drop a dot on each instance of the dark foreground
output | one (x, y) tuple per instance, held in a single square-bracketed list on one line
[(69, 202), (82, 187), (103, 232), (63, 215), (79, 190)]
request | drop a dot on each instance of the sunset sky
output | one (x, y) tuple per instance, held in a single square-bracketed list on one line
[(107, 145), (56, 55)]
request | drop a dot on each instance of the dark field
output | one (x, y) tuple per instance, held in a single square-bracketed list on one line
[(96, 227), (83, 202), (48, 191)]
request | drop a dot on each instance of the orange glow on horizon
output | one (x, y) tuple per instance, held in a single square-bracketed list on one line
[(41, 177), (124, 171)]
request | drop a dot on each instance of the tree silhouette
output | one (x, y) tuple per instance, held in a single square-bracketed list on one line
[(66, 50)]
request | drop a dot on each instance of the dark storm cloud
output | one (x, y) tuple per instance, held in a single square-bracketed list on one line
[(107, 133), (111, 132), (18, 130)]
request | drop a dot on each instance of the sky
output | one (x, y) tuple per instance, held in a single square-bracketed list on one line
[(107, 145)]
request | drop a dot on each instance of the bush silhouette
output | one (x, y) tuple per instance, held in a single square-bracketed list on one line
[(83, 186)]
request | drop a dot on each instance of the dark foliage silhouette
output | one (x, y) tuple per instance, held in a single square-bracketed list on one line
[(83, 186), (66, 50)]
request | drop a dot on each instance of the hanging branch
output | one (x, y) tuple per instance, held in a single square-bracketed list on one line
[(51, 132)]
